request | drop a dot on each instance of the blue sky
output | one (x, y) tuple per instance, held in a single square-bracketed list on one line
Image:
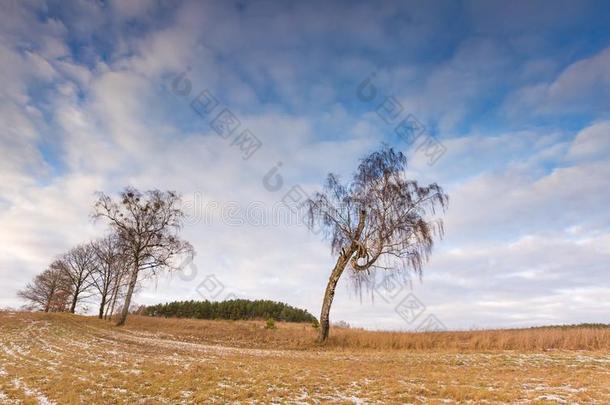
[(518, 94)]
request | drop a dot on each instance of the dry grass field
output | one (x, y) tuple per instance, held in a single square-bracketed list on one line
[(67, 359)]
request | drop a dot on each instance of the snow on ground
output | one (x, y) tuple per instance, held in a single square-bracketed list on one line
[(356, 377), (30, 392)]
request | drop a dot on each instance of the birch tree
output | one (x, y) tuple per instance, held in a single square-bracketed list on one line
[(118, 288), (380, 220), (110, 262), (148, 225)]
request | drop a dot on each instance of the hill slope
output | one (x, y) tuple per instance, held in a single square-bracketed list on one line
[(64, 359)]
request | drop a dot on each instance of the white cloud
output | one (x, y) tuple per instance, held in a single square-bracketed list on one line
[(584, 84), (582, 87), (591, 143)]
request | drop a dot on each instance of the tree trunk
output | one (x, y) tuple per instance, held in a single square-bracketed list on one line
[(74, 302), (110, 308), (113, 297), (132, 286), (102, 306), (328, 297), (342, 261)]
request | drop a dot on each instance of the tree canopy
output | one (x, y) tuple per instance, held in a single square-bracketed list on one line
[(239, 309)]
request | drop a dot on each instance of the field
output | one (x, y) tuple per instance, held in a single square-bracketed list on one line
[(65, 359)]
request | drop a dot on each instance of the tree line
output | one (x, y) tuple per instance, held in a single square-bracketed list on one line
[(143, 241), (94, 268), (238, 309)]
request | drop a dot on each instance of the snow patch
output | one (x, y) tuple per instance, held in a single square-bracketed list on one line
[(550, 397), (30, 392)]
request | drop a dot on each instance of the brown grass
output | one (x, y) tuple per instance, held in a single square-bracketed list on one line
[(68, 359), (302, 336), (578, 338)]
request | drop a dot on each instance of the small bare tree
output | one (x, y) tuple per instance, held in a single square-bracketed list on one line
[(380, 220), (119, 285), (78, 265), (110, 262), (49, 291), (147, 225)]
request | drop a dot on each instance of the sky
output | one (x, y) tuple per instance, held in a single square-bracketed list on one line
[(512, 99)]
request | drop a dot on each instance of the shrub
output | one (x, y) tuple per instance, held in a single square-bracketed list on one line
[(270, 324), (341, 325)]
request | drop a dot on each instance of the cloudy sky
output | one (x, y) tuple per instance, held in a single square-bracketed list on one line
[(516, 95)]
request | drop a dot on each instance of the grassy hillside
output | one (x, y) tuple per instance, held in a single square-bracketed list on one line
[(66, 359), (302, 336)]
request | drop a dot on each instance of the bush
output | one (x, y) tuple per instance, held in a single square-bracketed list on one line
[(270, 324), (341, 325)]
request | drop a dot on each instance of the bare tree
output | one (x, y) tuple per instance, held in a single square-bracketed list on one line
[(118, 288), (78, 265), (148, 225), (380, 220), (50, 290), (110, 262)]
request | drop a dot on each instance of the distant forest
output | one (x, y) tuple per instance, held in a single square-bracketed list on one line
[(234, 309)]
